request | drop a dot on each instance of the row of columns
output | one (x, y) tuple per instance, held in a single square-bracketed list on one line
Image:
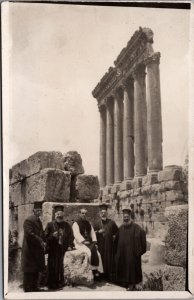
[(131, 127)]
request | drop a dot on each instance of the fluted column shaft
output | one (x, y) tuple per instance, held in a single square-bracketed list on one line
[(109, 143), (128, 129), (154, 122), (102, 146), (140, 121), (118, 137)]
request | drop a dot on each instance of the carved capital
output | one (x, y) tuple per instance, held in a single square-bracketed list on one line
[(117, 93), (101, 108), (149, 34), (126, 83), (153, 59), (138, 72)]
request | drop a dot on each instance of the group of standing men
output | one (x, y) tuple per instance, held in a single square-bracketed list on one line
[(114, 253)]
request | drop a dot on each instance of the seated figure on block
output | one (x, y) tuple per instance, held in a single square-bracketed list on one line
[(85, 241)]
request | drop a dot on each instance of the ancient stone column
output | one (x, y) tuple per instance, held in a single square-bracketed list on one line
[(154, 117), (118, 136), (109, 142), (140, 121), (102, 110), (128, 129)]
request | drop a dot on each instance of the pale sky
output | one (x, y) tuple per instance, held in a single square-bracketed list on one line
[(58, 54)]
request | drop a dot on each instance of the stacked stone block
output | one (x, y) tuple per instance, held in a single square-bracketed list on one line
[(47, 177), (151, 194)]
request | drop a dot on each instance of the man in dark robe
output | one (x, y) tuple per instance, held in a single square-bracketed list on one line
[(85, 241), (33, 260), (106, 230), (59, 238), (131, 244)]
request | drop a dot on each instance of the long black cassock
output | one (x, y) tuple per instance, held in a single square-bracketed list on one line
[(106, 245), (56, 248), (131, 244)]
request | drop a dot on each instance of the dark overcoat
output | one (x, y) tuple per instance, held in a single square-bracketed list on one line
[(56, 250), (131, 245), (106, 245), (33, 259)]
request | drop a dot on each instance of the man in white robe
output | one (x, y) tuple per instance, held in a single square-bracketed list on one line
[(85, 241)]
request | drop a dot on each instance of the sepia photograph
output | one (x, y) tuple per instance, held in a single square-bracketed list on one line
[(96, 116)]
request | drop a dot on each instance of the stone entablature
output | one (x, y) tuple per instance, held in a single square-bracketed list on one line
[(137, 50), (129, 102)]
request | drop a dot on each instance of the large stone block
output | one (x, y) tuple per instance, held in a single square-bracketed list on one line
[(72, 162), (170, 173), (150, 179), (156, 256), (174, 195), (16, 193), (47, 185), (71, 211), (77, 269), (152, 279), (170, 185), (173, 278), (137, 182), (24, 211), (126, 185), (176, 239), (35, 163), (86, 188)]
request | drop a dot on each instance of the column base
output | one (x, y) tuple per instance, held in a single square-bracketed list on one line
[(107, 190), (115, 188), (150, 178), (126, 185), (137, 182)]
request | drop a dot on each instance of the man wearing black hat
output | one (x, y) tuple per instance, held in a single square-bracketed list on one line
[(106, 230), (59, 237), (33, 260), (131, 244)]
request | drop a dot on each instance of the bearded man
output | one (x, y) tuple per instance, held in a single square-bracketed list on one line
[(106, 230), (59, 238), (131, 245)]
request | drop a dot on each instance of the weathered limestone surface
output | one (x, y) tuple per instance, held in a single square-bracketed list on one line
[(109, 153), (72, 162), (157, 251), (77, 269), (152, 279), (170, 185), (24, 211), (140, 121), (36, 162), (176, 239), (118, 138), (47, 185), (71, 211), (170, 173), (102, 146), (15, 272), (86, 188), (16, 193), (173, 278), (149, 179)]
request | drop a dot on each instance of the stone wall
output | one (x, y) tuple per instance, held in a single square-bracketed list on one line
[(48, 177), (149, 196), (71, 211), (165, 264), (51, 178)]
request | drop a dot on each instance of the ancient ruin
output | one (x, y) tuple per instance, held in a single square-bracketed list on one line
[(131, 160), (131, 172)]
